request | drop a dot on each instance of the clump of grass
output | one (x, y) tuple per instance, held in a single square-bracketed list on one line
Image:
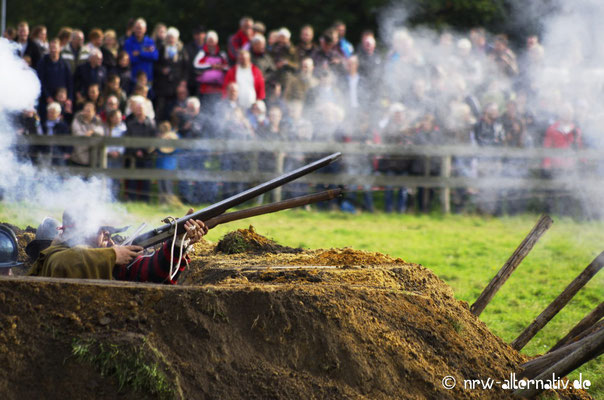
[(128, 364), (455, 324), (233, 243)]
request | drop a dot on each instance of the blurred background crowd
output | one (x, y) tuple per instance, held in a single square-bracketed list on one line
[(409, 88)]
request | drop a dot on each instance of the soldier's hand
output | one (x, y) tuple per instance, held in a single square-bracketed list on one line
[(104, 239), (125, 254), (196, 229)]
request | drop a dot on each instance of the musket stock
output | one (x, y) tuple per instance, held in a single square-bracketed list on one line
[(273, 207)]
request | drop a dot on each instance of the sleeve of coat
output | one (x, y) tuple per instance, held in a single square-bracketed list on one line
[(228, 78), (152, 55), (41, 69), (155, 268), (130, 46), (548, 142), (98, 129), (232, 48), (77, 79), (259, 83), (78, 263), (77, 129), (69, 80), (578, 138)]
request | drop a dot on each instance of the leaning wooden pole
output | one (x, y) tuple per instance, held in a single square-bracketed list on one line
[(590, 320), (592, 348), (535, 366), (587, 332), (511, 264), (559, 303)]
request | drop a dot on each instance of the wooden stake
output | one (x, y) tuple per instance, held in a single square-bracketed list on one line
[(592, 348), (587, 322), (559, 303), (586, 333), (445, 192), (511, 264), (532, 368)]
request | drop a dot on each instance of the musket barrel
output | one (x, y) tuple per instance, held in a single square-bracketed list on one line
[(164, 232), (273, 207)]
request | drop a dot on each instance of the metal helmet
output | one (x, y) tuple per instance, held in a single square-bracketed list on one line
[(9, 248)]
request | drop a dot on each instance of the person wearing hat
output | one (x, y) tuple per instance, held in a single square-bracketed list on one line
[(9, 250), (47, 231), (87, 252)]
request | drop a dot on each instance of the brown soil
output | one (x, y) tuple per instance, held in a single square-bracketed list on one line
[(324, 324)]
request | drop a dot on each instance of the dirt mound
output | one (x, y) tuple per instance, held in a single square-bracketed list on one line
[(350, 256), (18, 231), (322, 324), (248, 241)]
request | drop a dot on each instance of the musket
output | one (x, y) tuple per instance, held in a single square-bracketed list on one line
[(166, 232)]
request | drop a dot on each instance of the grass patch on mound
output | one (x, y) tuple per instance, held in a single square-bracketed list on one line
[(130, 365), (248, 241)]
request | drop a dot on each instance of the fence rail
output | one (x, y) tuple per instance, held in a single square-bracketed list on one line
[(314, 147), (351, 153)]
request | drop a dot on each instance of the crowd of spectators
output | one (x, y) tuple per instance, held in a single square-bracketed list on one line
[(410, 90)]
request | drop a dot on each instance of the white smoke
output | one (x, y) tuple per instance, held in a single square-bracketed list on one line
[(572, 69), (19, 89), (564, 72), (19, 84), (42, 189)]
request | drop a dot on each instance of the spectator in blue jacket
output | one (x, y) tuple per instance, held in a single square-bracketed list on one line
[(344, 46), (142, 50)]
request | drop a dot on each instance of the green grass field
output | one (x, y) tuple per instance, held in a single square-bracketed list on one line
[(465, 251)]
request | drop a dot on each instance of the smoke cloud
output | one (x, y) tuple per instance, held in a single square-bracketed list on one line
[(42, 189)]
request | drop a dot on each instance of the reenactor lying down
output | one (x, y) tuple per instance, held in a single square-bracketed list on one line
[(76, 253)]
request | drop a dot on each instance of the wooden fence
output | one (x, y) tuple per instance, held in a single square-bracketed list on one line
[(584, 179)]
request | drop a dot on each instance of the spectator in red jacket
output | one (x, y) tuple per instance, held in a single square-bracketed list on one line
[(249, 79), (211, 66), (241, 39), (562, 134)]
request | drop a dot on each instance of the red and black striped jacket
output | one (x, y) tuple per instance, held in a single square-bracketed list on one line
[(154, 268)]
